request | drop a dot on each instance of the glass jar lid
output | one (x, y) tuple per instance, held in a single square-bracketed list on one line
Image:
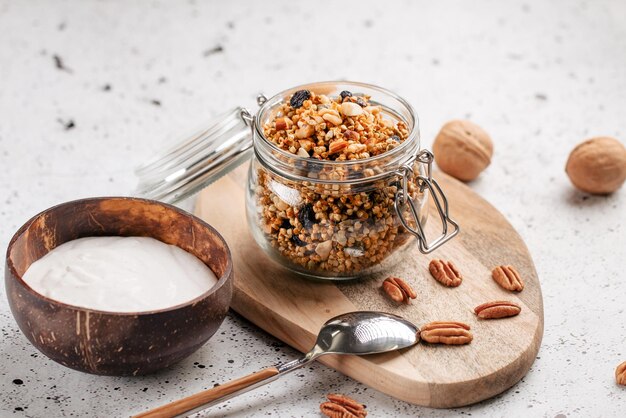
[(197, 160)]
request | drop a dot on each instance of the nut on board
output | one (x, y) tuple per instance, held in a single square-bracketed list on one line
[(463, 149), (597, 165)]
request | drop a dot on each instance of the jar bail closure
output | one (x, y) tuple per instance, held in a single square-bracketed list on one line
[(403, 199)]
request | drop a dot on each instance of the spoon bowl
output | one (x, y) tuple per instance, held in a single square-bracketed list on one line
[(366, 332)]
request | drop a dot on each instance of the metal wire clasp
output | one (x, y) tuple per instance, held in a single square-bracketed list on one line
[(248, 117), (406, 171)]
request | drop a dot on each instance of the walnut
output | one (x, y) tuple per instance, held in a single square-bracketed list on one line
[(598, 165), (462, 149), (620, 374)]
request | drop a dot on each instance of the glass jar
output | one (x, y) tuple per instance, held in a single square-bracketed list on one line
[(320, 218)]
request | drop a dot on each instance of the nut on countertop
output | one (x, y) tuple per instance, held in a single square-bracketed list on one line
[(341, 406), (597, 165), (462, 149), (620, 374)]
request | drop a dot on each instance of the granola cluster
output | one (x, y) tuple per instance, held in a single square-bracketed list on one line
[(345, 128), (331, 229)]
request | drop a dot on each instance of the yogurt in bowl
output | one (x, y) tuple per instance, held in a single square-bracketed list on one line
[(120, 274), (85, 329)]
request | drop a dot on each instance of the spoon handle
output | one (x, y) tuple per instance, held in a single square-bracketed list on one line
[(201, 400)]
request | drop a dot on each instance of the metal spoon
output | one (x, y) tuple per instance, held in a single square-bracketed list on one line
[(356, 333)]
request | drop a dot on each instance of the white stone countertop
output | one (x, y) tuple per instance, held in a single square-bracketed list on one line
[(90, 89)]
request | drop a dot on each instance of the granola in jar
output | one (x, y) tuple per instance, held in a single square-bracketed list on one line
[(347, 127), (337, 183), (327, 225)]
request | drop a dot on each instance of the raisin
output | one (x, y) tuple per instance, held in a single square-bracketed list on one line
[(299, 97), (285, 224), (306, 216), (361, 102), (345, 94), (297, 241), (395, 138)]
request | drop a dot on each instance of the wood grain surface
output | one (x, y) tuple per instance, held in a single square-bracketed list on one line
[(293, 308)]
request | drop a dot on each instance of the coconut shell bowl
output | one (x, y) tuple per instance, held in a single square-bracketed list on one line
[(113, 343)]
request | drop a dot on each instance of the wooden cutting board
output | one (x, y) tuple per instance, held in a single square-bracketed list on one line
[(293, 308)]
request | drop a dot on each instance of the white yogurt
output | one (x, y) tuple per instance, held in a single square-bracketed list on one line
[(120, 274)]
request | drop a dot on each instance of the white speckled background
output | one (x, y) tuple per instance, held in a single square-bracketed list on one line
[(539, 76)]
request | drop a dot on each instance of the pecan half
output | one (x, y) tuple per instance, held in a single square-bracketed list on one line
[(508, 278), (445, 273), (332, 410), (398, 290), (341, 406), (393, 291), (452, 333), (620, 374), (497, 309), (337, 146)]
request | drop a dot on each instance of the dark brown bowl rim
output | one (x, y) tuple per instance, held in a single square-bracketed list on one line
[(222, 280)]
